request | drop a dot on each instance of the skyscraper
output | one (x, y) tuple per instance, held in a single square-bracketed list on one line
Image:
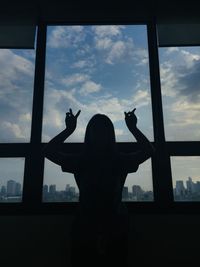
[(180, 189), (137, 192), (125, 192), (52, 188), (190, 186), (11, 188)]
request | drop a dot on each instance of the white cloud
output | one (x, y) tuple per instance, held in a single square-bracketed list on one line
[(14, 67), (12, 130), (170, 50), (65, 36), (75, 79), (189, 58), (141, 98), (80, 64), (16, 89), (107, 30), (90, 87), (103, 44), (117, 51)]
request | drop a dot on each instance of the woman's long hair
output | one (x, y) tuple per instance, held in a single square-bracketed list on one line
[(100, 135)]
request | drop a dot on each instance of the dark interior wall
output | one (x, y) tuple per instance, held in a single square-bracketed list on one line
[(155, 240)]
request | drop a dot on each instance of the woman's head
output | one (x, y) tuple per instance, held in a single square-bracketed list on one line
[(100, 134)]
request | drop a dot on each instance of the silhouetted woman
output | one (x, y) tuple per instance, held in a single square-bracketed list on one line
[(99, 235)]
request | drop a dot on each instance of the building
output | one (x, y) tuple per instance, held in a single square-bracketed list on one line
[(11, 188), (180, 189), (137, 192), (125, 193), (52, 189), (45, 189), (190, 186)]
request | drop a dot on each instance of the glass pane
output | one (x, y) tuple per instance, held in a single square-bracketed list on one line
[(180, 81), (61, 187), (58, 186), (138, 186), (16, 93), (11, 179), (186, 179), (98, 69)]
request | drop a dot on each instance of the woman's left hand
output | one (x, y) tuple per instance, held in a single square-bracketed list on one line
[(71, 120)]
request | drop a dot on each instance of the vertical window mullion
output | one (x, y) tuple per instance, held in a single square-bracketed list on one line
[(34, 165), (162, 180)]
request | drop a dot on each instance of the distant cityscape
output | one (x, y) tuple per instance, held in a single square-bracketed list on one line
[(50, 194), (12, 192), (190, 192)]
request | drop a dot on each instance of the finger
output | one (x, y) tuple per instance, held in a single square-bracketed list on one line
[(133, 110), (70, 111), (78, 113)]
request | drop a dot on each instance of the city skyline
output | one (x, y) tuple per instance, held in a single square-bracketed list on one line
[(190, 191)]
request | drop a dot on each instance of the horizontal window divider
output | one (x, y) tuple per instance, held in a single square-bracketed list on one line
[(18, 149), (183, 148)]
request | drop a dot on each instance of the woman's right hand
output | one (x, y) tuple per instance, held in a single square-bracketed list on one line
[(71, 120)]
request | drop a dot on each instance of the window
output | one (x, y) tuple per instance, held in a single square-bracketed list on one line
[(186, 181), (58, 186), (138, 186), (99, 69), (180, 81)]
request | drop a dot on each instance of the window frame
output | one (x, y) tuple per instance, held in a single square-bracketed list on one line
[(34, 159)]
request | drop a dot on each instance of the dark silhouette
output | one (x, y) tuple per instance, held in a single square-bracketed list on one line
[(99, 235)]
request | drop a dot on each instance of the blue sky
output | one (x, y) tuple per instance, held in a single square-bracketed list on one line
[(100, 69)]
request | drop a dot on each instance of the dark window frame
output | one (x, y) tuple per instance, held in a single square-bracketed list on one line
[(34, 160)]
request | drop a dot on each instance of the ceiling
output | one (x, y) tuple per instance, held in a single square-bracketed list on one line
[(100, 11)]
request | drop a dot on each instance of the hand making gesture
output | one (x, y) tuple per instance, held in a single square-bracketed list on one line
[(131, 119), (71, 120)]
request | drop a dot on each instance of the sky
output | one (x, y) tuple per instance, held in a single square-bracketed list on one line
[(100, 69)]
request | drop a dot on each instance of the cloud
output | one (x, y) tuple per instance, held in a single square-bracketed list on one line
[(90, 87), (117, 51), (181, 94), (13, 130), (80, 64), (74, 79), (141, 98), (16, 91), (65, 36), (108, 30), (103, 44)]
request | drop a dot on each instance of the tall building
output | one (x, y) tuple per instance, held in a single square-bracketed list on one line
[(180, 189), (137, 192), (125, 192), (3, 190), (190, 185), (11, 188), (45, 189), (52, 188), (18, 189)]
